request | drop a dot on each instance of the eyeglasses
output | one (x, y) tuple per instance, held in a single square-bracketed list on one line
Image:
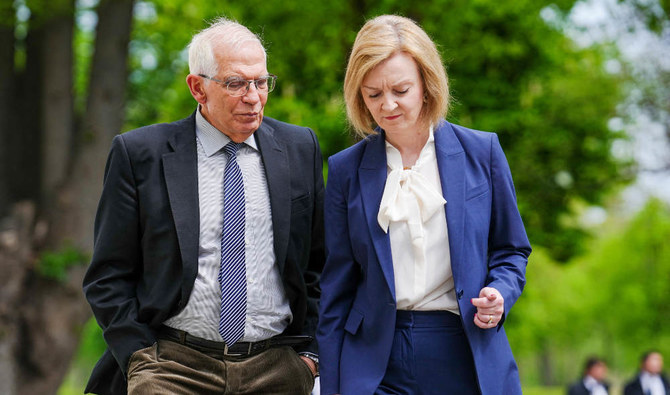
[(239, 86)]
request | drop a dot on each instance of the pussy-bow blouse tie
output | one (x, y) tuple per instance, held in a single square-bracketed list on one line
[(409, 196)]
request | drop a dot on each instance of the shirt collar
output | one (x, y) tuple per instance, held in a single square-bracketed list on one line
[(212, 139), (394, 159), (590, 382), (647, 377)]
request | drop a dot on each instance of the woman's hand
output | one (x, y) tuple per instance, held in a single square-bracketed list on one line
[(490, 308)]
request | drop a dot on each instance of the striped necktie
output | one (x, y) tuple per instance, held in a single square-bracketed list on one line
[(232, 275)]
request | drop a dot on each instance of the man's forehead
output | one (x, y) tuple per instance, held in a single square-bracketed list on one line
[(231, 48), (244, 59)]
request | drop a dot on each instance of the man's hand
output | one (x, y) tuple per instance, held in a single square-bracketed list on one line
[(310, 364)]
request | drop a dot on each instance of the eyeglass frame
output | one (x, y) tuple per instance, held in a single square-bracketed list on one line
[(268, 78)]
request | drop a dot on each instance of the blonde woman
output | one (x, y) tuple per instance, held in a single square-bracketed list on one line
[(426, 250)]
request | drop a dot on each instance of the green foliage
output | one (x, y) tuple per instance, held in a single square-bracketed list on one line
[(54, 264), (84, 38), (612, 301), (308, 90), (90, 349), (544, 390), (43, 11), (510, 72), (7, 15), (654, 14)]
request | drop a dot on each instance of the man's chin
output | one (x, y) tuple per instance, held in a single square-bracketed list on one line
[(250, 127)]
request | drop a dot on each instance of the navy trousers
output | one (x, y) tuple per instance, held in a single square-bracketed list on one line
[(430, 355)]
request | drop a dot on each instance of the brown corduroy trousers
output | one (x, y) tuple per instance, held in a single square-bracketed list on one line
[(172, 368)]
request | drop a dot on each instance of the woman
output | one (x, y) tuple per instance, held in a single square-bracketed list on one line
[(426, 247)]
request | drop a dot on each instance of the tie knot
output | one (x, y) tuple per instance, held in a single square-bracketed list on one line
[(231, 149)]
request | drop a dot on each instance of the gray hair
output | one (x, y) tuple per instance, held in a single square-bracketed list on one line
[(201, 59)]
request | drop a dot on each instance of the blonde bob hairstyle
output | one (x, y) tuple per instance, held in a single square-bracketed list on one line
[(377, 40)]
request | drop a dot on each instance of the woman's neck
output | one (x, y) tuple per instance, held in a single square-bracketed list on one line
[(409, 144)]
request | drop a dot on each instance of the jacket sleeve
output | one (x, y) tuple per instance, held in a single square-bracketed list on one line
[(111, 279), (316, 250), (338, 281), (509, 247)]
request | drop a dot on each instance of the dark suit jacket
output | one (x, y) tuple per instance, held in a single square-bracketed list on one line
[(634, 387), (578, 388), (145, 257), (488, 247)]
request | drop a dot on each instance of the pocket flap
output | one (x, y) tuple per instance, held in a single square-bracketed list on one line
[(353, 322), (477, 191)]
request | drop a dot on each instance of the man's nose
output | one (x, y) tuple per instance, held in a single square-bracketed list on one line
[(252, 95)]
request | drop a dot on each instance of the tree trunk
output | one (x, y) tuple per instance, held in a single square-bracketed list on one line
[(546, 365), (53, 313), (57, 103), (15, 251), (6, 99), (78, 199), (61, 174), (23, 139)]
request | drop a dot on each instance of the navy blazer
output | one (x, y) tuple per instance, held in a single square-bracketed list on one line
[(145, 258), (488, 246), (634, 387), (578, 388)]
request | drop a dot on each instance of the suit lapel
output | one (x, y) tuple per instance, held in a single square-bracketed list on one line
[(278, 177), (180, 169), (451, 165), (372, 175)]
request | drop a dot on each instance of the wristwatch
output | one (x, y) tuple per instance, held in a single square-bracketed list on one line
[(314, 358)]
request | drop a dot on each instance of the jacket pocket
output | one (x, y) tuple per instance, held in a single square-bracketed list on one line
[(353, 322), (477, 191), (300, 204)]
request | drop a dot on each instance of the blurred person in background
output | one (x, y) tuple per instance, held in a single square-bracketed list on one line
[(593, 380), (209, 239), (650, 380), (426, 250)]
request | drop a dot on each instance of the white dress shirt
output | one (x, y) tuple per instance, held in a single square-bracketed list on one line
[(413, 212), (652, 384), (594, 386), (268, 311)]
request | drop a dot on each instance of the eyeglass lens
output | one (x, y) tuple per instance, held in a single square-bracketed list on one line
[(240, 86)]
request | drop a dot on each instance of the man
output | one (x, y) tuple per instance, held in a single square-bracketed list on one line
[(650, 380), (593, 380), (209, 240)]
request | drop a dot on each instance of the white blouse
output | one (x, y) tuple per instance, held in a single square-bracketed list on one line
[(413, 213)]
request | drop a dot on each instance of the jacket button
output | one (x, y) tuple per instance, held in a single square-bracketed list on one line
[(459, 293)]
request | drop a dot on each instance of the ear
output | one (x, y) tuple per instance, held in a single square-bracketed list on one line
[(197, 87)]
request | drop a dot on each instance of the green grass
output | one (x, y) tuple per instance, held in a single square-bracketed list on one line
[(538, 390)]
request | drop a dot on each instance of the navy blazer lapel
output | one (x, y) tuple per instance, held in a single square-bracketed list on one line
[(278, 176), (180, 169), (372, 174), (451, 165)]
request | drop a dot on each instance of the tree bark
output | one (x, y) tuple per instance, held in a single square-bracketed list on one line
[(53, 313), (15, 252), (23, 138), (60, 173), (78, 199), (57, 103), (6, 98), (546, 365)]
